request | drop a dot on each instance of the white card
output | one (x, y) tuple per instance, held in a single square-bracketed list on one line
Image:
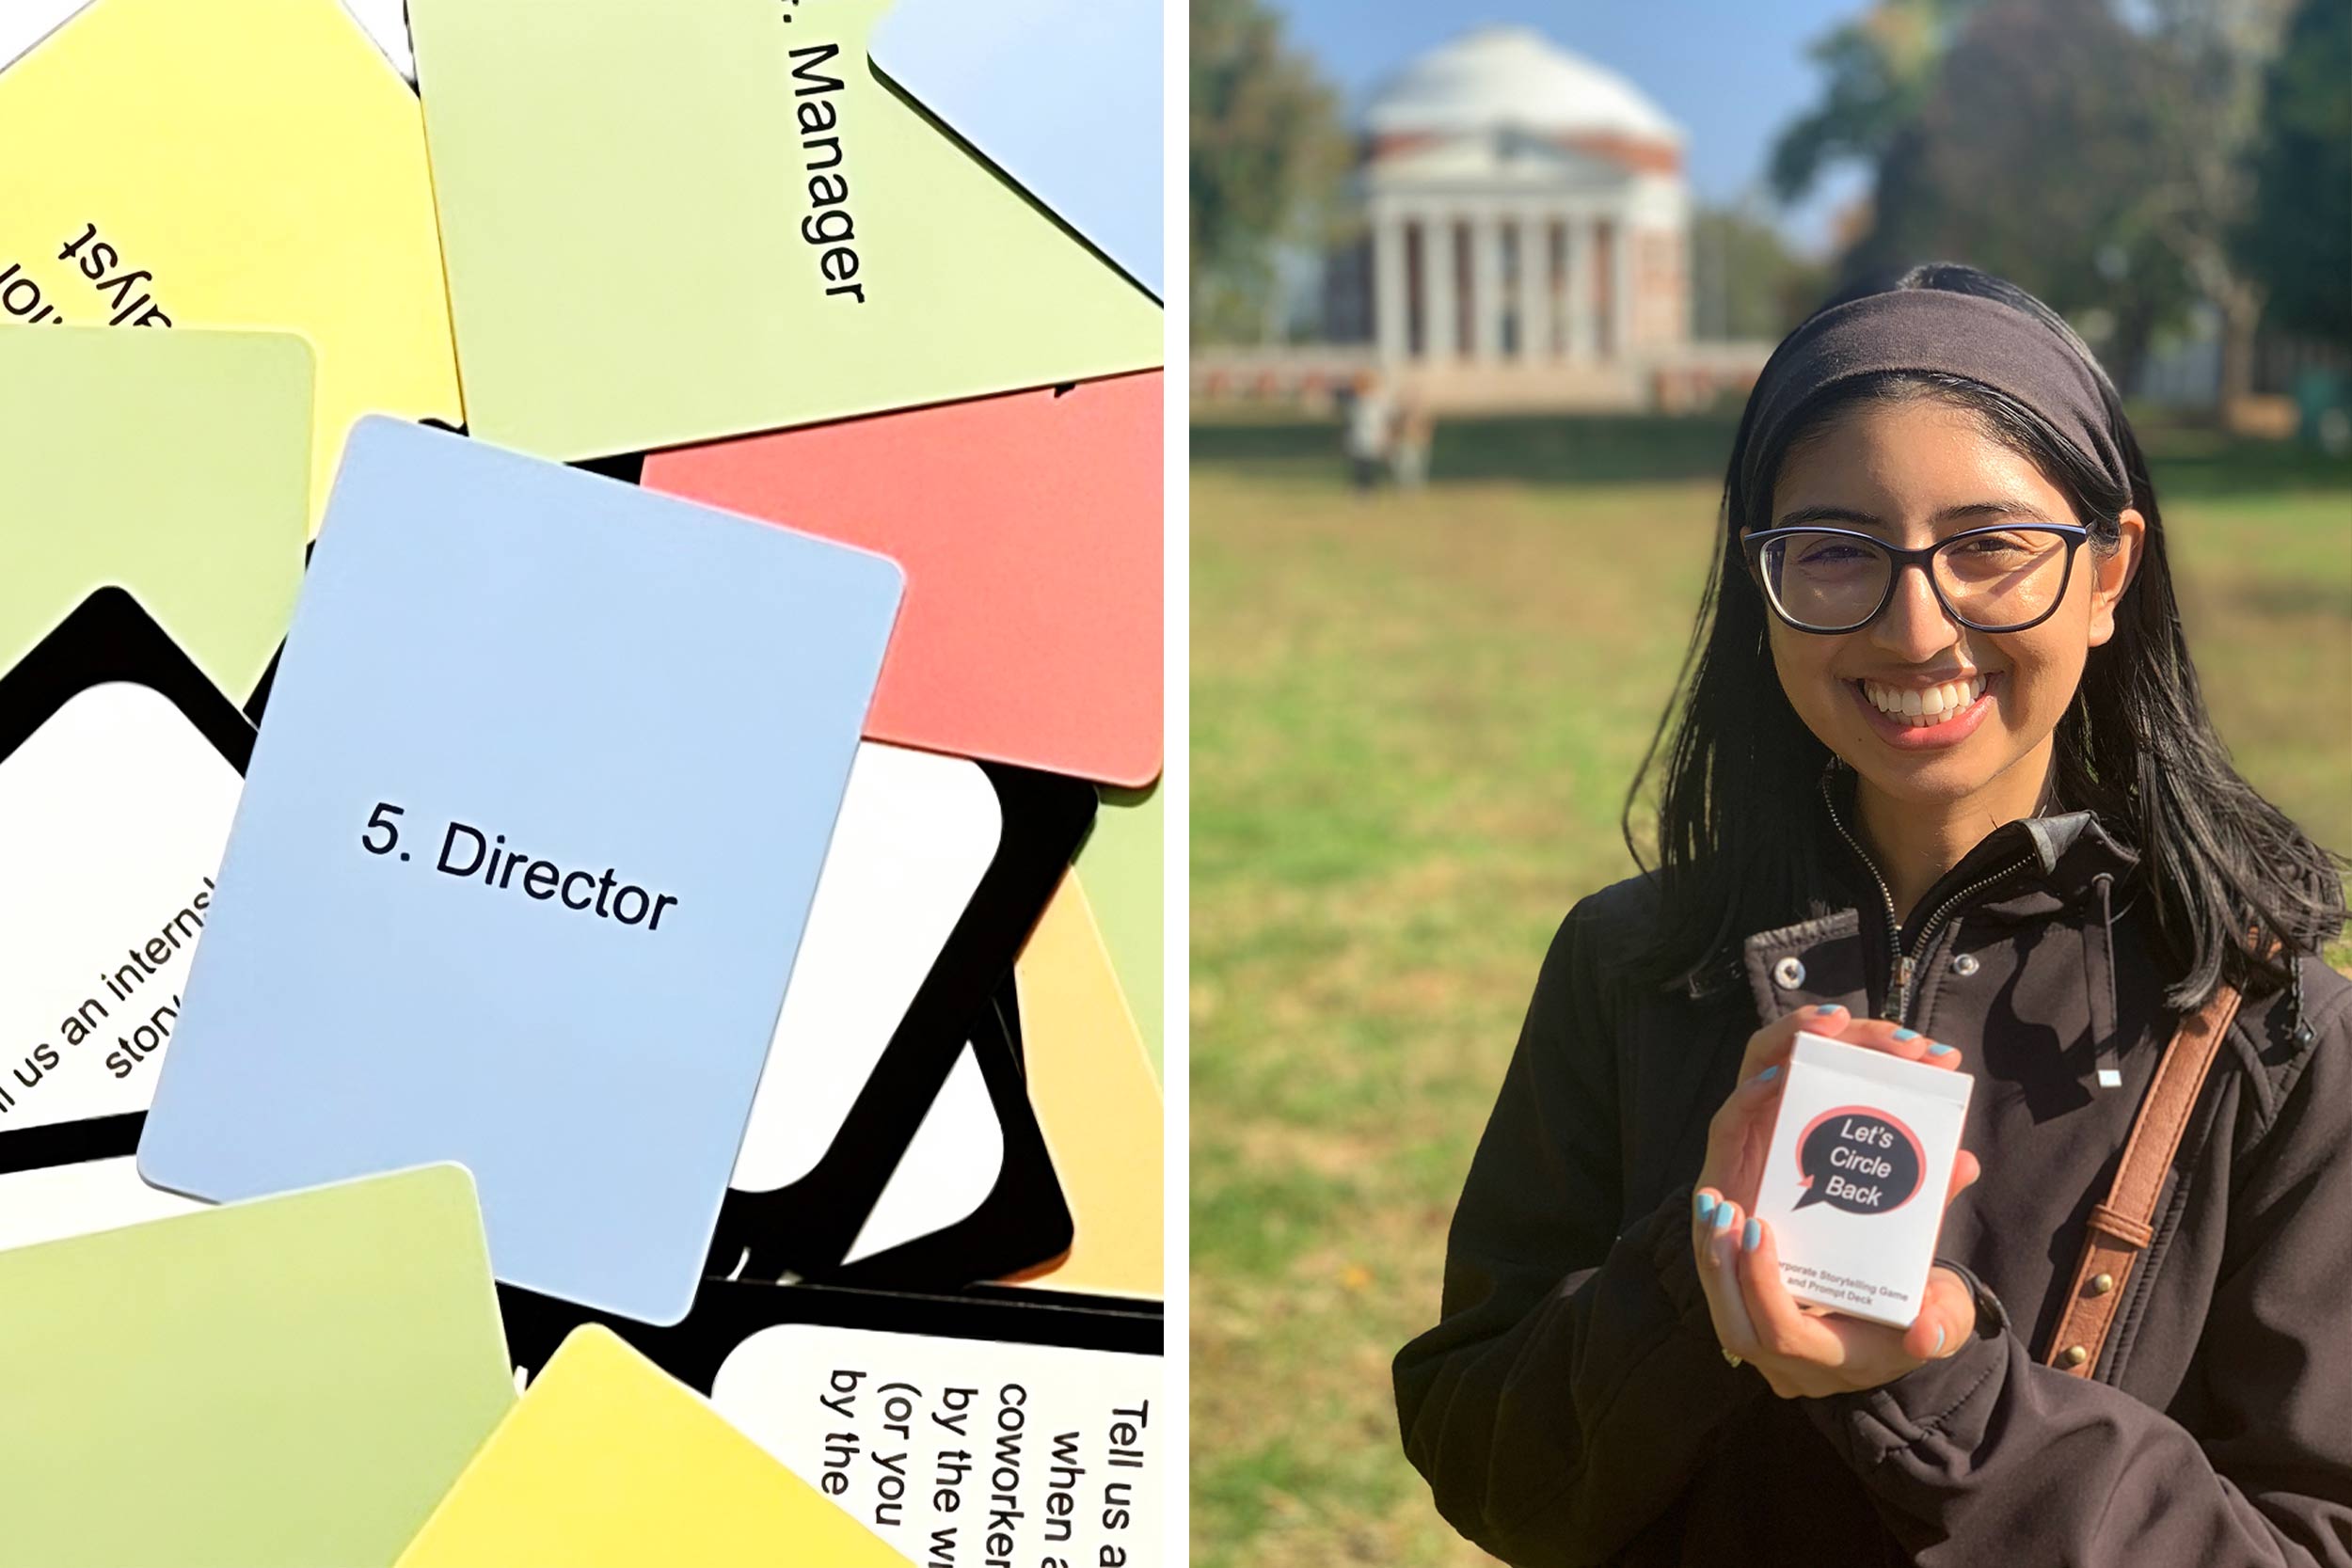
[(112, 819), (962, 1450), (113, 812), (948, 1170), (915, 834)]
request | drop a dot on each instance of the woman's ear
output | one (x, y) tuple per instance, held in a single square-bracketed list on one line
[(2113, 573)]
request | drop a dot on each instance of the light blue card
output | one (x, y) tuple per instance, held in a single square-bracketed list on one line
[(654, 705), (1063, 95)]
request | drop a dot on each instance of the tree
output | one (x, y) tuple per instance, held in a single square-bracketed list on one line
[(1745, 282), (2097, 151), (1269, 160), (2033, 154), (2299, 241), (1881, 67), (2207, 95)]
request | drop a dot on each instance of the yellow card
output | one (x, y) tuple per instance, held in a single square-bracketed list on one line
[(1097, 1101), (678, 220), (608, 1463), (237, 163)]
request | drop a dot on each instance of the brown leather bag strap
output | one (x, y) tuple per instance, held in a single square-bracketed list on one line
[(2124, 1224)]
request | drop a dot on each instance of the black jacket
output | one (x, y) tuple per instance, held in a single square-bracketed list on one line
[(1574, 1407)]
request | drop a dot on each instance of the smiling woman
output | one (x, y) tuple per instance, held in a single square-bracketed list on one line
[(1940, 784), (1959, 654)]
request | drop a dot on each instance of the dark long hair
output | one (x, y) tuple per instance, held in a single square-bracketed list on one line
[(1739, 828)]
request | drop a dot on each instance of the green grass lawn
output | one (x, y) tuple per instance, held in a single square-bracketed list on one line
[(1414, 719)]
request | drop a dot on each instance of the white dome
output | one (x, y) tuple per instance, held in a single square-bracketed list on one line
[(1497, 77)]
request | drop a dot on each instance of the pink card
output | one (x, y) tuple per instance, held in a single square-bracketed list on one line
[(1029, 526)]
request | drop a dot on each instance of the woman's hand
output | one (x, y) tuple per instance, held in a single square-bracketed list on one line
[(1803, 1351)]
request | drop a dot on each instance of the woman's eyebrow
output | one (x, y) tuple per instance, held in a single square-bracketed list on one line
[(1805, 516)]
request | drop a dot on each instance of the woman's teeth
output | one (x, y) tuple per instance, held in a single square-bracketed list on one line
[(1919, 707)]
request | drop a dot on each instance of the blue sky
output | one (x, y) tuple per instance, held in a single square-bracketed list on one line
[(1732, 71)]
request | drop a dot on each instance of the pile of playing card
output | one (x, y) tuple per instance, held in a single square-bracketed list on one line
[(580, 717)]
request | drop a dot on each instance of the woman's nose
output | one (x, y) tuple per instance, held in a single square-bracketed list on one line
[(1914, 626)]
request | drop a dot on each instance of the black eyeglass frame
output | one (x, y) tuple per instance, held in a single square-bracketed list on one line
[(1752, 547)]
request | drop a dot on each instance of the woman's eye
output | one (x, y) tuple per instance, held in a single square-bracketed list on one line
[(1997, 547), (1833, 555)]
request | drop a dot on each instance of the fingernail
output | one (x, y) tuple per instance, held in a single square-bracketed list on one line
[(1769, 1073), (1906, 1034), (1751, 1237), (1939, 1050), (1939, 1339), (1723, 1219), (1707, 1207), (1826, 1008)]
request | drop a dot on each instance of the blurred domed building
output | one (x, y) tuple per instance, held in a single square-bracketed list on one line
[(1526, 227), (1525, 244), (1527, 223)]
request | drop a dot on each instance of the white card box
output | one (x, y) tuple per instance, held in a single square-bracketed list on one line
[(1857, 1176)]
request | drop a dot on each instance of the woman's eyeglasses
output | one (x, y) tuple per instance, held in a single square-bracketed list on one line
[(1834, 579)]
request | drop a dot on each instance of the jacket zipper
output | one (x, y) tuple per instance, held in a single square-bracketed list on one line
[(1898, 997)]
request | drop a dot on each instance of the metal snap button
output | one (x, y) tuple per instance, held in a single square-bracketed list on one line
[(2075, 1355), (2101, 1283), (1788, 975), (1965, 964)]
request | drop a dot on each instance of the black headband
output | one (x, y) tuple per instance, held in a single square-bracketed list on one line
[(1935, 329)]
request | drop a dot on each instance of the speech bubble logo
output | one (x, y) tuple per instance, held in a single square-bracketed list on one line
[(1860, 1160)]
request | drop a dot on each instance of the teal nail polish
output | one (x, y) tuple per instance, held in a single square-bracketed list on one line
[(1826, 1008), (1752, 1236), (1723, 1219), (1906, 1034), (1769, 1073), (1706, 1207), (1939, 1050)]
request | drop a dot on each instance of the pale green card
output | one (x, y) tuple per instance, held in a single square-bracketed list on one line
[(283, 1383), (669, 221), (173, 463), (1122, 869)]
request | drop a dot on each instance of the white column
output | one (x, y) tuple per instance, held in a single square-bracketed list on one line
[(1534, 287), (1621, 284), (1580, 303), (1487, 284), (1437, 272), (1390, 307)]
